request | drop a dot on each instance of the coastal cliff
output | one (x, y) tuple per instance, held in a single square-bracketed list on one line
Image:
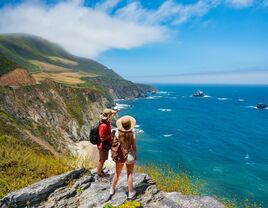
[(54, 115), (49, 101), (51, 97), (80, 188)]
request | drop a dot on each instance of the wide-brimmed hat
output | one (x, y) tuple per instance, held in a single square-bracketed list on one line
[(126, 123), (106, 112)]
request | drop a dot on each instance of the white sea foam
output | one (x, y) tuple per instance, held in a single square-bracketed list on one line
[(153, 97), (162, 92), (137, 126), (207, 96), (138, 131), (247, 156), (168, 135), (164, 109), (119, 106), (217, 169), (118, 100), (222, 98), (241, 100), (251, 106), (149, 150)]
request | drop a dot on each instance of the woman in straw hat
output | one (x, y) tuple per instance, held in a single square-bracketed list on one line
[(125, 138), (105, 138)]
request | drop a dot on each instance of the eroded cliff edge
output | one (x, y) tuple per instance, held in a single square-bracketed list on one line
[(80, 188), (54, 115)]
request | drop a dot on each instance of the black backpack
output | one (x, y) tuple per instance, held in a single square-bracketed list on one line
[(94, 136)]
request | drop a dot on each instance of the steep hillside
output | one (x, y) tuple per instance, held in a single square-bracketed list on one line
[(51, 114), (60, 100), (6, 65), (47, 60)]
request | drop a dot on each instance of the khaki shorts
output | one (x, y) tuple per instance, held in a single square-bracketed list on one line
[(103, 154)]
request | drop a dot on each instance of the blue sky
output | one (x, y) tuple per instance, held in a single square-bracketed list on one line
[(205, 41)]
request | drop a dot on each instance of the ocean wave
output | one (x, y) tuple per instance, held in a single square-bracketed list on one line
[(165, 109), (149, 150), (207, 96), (246, 156), (168, 135), (255, 107), (223, 98), (241, 100), (138, 131), (251, 106), (162, 92), (137, 126), (217, 169), (119, 106), (153, 97), (119, 100)]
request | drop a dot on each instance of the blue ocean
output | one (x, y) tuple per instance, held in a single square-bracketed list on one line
[(221, 138)]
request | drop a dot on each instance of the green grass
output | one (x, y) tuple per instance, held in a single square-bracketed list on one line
[(6, 65), (169, 180), (126, 204), (22, 164)]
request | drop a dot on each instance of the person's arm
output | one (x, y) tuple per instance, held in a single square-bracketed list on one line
[(134, 147)]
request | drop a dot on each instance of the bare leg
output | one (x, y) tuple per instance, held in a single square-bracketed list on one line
[(118, 170), (100, 166), (130, 168)]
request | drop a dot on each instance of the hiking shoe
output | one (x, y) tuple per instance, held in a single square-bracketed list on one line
[(131, 195), (112, 191)]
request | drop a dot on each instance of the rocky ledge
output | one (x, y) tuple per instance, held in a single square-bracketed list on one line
[(81, 188)]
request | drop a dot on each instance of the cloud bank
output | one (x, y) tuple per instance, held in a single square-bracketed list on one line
[(89, 31)]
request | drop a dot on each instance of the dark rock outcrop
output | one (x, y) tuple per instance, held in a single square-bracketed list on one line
[(85, 190)]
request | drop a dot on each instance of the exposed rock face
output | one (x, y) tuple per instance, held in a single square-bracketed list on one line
[(75, 189), (17, 77), (54, 115), (51, 112)]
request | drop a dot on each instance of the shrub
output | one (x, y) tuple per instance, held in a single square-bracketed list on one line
[(126, 204), (168, 180)]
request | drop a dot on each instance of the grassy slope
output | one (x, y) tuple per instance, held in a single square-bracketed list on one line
[(21, 48), (22, 164), (6, 65)]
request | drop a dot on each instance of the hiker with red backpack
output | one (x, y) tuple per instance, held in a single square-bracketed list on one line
[(105, 138), (124, 152)]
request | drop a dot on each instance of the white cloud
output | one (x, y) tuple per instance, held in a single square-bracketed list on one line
[(89, 31), (81, 30), (240, 3), (168, 12)]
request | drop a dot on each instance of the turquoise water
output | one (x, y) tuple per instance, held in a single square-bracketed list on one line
[(221, 138)]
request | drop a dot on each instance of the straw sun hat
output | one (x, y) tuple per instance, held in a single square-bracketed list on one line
[(126, 123), (106, 113)]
